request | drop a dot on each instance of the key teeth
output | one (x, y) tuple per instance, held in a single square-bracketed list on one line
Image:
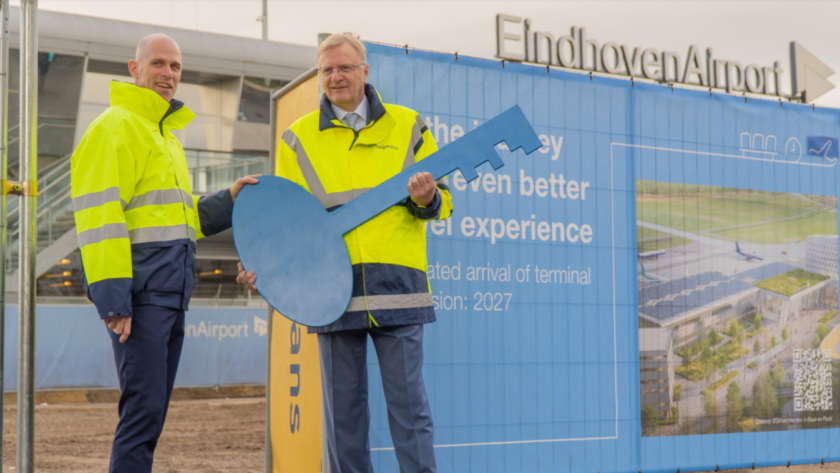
[(468, 172), (495, 160), (525, 146)]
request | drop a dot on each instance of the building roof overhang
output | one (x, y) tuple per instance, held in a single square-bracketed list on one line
[(208, 54)]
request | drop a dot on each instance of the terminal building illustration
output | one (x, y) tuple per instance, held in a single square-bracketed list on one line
[(673, 314), (822, 255), (656, 366)]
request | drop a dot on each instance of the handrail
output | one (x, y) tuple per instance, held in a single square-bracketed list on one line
[(63, 194), (57, 164), (44, 125), (53, 183)]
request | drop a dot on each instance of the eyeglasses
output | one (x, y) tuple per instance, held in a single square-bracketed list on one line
[(328, 71)]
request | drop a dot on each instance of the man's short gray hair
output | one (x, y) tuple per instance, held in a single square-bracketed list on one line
[(337, 39)]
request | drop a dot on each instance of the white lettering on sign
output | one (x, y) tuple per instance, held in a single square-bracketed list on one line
[(211, 330)]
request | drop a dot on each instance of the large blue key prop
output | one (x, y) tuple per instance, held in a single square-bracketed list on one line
[(295, 247)]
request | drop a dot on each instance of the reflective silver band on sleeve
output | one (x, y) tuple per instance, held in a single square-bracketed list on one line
[(161, 197), (391, 301), (155, 234), (106, 232), (414, 143), (96, 199)]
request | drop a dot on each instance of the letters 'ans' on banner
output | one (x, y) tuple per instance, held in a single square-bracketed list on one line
[(655, 288), (295, 397)]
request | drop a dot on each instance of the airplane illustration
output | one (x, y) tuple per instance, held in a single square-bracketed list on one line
[(824, 147), (822, 151), (652, 277), (651, 254), (749, 256)]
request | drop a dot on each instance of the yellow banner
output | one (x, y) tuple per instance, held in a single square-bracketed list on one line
[(295, 378)]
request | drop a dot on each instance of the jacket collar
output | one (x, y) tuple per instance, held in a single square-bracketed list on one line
[(150, 105), (328, 119)]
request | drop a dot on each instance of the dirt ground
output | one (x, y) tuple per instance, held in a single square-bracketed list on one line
[(207, 436), (214, 435)]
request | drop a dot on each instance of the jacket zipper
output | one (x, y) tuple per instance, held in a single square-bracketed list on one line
[(175, 166), (355, 137), (371, 321)]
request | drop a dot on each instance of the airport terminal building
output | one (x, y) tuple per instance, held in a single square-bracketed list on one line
[(656, 365), (675, 313), (226, 81), (695, 305), (821, 255)]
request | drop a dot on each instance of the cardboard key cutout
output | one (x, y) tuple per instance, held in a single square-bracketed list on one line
[(295, 247)]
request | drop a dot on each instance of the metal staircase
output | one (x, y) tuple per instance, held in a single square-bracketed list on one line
[(209, 172), (55, 217)]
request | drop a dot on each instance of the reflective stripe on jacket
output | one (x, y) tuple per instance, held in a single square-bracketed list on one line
[(136, 217), (388, 252)]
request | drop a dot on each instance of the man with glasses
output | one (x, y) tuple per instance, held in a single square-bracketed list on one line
[(353, 143)]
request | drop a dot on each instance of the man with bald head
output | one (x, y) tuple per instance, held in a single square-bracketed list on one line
[(137, 223)]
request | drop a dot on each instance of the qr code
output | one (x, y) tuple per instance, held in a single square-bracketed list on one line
[(812, 380)]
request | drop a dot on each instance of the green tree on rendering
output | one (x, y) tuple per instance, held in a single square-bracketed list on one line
[(734, 407), (707, 355), (685, 425), (785, 334), (777, 375), (757, 346), (821, 332), (741, 335), (710, 408), (765, 403), (714, 337), (773, 341), (650, 420), (732, 331), (757, 322)]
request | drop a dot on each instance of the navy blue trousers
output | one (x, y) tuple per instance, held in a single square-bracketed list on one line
[(146, 365), (344, 382)]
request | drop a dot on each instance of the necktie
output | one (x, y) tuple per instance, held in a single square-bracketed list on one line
[(351, 120)]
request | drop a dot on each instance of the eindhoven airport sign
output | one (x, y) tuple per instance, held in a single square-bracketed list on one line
[(515, 41)]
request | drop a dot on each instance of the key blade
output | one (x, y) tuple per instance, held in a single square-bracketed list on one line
[(515, 130), (510, 127)]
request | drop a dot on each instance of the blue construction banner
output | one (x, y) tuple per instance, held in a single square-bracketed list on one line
[(655, 289), (222, 346)]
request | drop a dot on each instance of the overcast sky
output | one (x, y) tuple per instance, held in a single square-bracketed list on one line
[(746, 31)]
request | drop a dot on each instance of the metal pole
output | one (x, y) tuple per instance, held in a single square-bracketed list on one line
[(28, 234), (4, 117), (264, 19), (272, 157)]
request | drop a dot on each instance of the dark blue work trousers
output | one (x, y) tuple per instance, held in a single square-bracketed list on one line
[(146, 365), (345, 395)]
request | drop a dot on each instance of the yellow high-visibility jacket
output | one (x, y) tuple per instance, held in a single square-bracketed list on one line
[(388, 252), (136, 218)]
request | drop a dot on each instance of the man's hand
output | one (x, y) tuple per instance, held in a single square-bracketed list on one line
[(422, 188), (240, 183), (120, 325), (248, 279)]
